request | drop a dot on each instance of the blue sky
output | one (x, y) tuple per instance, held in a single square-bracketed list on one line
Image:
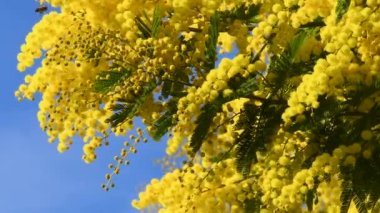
[(34, 176)]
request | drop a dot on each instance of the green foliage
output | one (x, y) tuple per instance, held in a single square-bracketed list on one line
[(166, 88), (242, 88), (357, 93), (162, 124), (246, 88), (355, 187), (299, 40), (336, 123), (144, 29), (365, 187), (175, 87), (210, 52), (346, 195), (252, 205), (204, 122), (341, 8), (121, 113), (257, 123), (106, 81), (156, 23), (250, 140), (359, 202), (125, 111), (221, 156), (311, 199), (336, 120), (245, 13)]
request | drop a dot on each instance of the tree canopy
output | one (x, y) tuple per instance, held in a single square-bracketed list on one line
[(274, 105)]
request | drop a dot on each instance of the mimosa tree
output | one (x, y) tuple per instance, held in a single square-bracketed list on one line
[(275, 105)]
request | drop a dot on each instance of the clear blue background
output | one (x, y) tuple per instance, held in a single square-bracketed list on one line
[(34, 177)]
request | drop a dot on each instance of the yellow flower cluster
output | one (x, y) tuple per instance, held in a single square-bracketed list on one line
[(194, 189), (98, 12), (310, 10), (43, 36), (356, 31), (63, 113)]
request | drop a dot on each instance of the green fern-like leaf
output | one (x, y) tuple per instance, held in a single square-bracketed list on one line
[(166, 88), (366, 177), (299, 40), (211, 42), (145, 31), (347, 194), (180, 80), (220, 157), (162, 125), (341, 8), (148, 28), (259, 126), (248, 141), (107, 80), (204, 122), (125, 111), (359, 202), (247, 87), (372, 200), (361, 91), (243, 88), (257, 123), (252, 205), (246, 153), (310, 199), (156, 23), (175, 87), (122, 113)]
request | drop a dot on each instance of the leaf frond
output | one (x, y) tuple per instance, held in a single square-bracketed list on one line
[(125, 111), (161, 125), (252, 205), (341, 9), (156, 23), (203, 123), (359, 202), (211, 42), (347, 190), (107, 80), (145, 31)]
